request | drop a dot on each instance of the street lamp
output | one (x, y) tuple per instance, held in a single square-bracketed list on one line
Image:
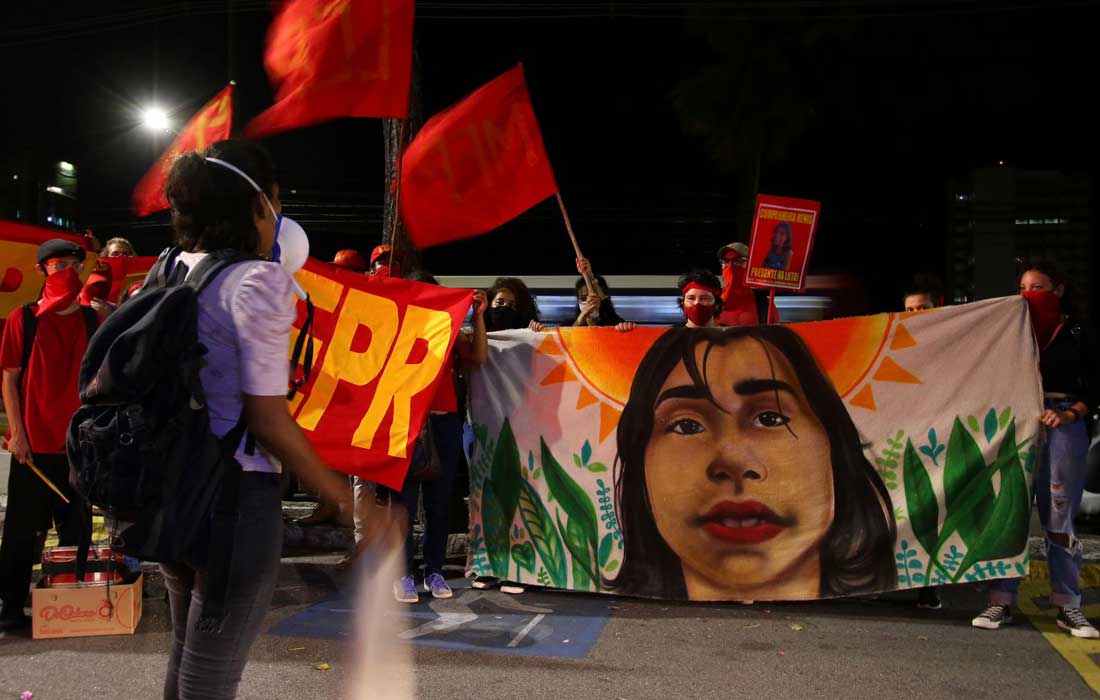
[(155, 119)]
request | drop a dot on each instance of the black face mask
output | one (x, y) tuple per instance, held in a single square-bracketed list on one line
[(505, 318)]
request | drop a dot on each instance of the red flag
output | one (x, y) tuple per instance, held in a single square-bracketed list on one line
[(337, 58), (476, 165), (211, 124), (382, 348)]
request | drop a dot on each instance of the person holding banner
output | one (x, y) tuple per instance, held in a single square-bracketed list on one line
[(595, 308), (228, 198), (40, 352), (741, 476), (471, 349), (119, 248), (512, 306), (923, 294), (1067, 363), (700, 298)]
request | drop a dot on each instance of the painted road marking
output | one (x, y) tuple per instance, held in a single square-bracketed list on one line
[(1081, 654), (533, 624)]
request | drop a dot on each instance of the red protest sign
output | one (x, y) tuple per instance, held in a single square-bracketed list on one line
[(782, 238), (381, 348)]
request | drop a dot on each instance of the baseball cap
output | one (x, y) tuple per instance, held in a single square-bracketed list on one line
[(740, 248), (379, 251), (350, 259)]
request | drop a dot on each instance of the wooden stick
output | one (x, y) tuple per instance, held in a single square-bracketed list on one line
[(588, 278), (47, 481), (772, 317)]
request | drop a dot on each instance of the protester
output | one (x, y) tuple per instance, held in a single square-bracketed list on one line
[(229, 199), (350, 260), (738, 301), (596, 308), (512, 306), (40, 352), (119, 248), (700, 298), (97, 290), (1067, 364), (384, 263), (472, 349), (924, 294)]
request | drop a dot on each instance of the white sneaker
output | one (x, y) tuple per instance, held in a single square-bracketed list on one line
[(1073, 621), (511, 587), (993, 617)]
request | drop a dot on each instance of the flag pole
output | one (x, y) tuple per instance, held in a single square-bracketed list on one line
[(588, 279)]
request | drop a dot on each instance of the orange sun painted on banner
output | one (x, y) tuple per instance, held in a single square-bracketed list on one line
[(854, 352)]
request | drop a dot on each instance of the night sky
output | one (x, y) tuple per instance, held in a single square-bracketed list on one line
[(894, 100)]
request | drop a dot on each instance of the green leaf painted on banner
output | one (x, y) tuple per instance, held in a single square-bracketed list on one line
[(586, 452), (920, 499), (967, 484), (576, 542), (543, 534), (531, 459), (1006, 415), (496, 529), (524, 554), (1005, 534), (973, 423), (597, 467), (505, 472), (990, 425), (577, 461), (607, 546), (573, 499)]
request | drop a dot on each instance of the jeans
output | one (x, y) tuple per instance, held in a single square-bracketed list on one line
[(208, 664), (447, 434), (1057, 487), (32, 508)]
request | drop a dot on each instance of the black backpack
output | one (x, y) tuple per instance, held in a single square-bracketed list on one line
[(140, 446)]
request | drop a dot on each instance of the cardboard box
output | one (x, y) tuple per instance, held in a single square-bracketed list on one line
[(86, 611)]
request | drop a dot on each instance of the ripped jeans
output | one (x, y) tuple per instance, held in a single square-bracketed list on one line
[(1057, 487)]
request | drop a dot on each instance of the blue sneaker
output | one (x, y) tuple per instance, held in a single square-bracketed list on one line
[(405, 590), (437, 586)]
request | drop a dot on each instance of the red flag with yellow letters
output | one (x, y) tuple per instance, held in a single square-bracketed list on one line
[(212, 123), (337, 58), (476, 165), (381, 347)]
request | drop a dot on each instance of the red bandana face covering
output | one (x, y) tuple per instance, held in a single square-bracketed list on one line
[(699, 315), (1045, 308), (61, 290)]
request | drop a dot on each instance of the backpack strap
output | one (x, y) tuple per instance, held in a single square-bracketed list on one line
[(305, 338), (158, 274), (30, 329)]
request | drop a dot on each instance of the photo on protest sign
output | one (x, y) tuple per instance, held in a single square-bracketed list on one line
[(782, 239), (793, 462)]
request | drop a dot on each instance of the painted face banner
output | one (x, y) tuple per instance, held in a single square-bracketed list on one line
[(380, 352), (814, 460), (782, 238)]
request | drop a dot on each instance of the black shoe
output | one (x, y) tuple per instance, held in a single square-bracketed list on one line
[(929, 599)]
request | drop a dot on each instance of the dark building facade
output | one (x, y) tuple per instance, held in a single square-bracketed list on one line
[(38, 189)]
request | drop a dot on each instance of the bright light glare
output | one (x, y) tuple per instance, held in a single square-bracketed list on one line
[(155, 119)]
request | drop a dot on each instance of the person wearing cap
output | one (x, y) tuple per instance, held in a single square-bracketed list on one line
[(738, 301), (350, 260), (700, 298), (40, 351), (384, 263)]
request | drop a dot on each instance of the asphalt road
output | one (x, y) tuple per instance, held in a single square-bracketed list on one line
[(561, 645)]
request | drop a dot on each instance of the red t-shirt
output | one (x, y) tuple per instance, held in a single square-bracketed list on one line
[(446, 400), (50, 383)]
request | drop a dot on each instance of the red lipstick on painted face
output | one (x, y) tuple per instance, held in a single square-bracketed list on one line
[(744, 522)]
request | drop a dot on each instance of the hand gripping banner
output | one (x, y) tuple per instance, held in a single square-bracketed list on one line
[(795, 462)]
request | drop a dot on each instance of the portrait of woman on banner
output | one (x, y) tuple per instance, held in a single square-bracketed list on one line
[(780, 253), (741, 476)]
